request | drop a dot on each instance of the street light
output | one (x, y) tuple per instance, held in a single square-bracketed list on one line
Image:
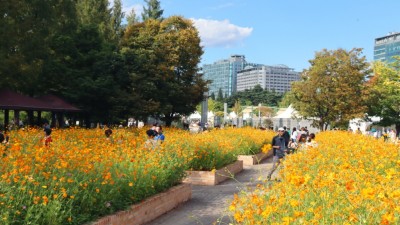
[(259, 114), (204, 110)]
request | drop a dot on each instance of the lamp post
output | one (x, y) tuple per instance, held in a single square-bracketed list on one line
[(259, 114), (204, 110), (251, 117)]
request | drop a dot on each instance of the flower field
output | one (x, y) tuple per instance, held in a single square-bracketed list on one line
[(347, 179), (83, 176)]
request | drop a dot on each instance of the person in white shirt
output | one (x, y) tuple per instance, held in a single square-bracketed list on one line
[(293, 137)]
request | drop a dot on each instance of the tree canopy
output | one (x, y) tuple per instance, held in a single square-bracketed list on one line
[(162, 57), (254, 96), (330, 91), (384, 93), (81, 51)]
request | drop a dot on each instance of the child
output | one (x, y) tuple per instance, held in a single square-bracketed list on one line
[(47, 134)]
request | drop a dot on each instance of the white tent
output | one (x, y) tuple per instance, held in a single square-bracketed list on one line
[(287, 113), (195, 116), (210, 115), (232, 115)]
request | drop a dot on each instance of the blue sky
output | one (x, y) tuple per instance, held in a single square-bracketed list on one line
[(285, 32)]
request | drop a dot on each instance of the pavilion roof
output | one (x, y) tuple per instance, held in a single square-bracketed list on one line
[(58, 104), (14, 101)]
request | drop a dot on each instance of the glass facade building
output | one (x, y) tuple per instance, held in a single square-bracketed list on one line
[(386, 47), (223, 74)]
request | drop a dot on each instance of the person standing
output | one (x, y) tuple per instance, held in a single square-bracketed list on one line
[(47, 134), (160, 136), (294, 134), (392, 135), (286, 135), (280, 148)]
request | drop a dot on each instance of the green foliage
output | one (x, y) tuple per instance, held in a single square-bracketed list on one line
[(28, 29), (330, 90), (254, 97), (212, 96), (79, 51), (220, 95), (116, 20), (287, 99), (384, 93), (153, 10), (162, 59), (132, 18)]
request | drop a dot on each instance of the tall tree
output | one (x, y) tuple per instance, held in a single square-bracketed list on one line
[(384, 93), (116, 20), (212, 96), (162, 59), (132, 18), (96, 13), (330, 90), (29, 30), (152, 11), (220, 96)]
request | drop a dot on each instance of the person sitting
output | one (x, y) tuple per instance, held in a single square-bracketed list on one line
[(150, 142), (311, 141), (302, 142), (4, 138), (108, 133)]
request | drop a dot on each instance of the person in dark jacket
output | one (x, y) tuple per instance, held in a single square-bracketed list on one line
[(280, 148), (286, 135)]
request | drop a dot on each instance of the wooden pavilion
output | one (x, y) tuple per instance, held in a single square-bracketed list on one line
[(10, 100)]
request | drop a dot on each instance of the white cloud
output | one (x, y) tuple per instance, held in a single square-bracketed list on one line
[(220, 33), (137, 7), (223, 6)]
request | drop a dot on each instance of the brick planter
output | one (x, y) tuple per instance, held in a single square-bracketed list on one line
[(213, 178), (249, 160), (150, 208)]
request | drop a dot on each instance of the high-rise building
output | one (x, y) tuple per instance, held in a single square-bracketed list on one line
[(386, 47), (272, 78), (223, 74)]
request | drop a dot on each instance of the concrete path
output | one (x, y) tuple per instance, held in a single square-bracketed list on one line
[(209, 204)]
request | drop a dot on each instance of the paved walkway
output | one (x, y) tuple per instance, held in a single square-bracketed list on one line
[(209, 204)]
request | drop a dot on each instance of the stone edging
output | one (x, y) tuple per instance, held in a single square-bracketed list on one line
[(213, 177), (150, 208), (249, 160)]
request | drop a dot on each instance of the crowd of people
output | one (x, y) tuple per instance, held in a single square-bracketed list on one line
[(288, 143)]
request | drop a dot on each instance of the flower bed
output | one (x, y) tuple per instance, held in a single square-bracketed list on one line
[(150, 208), (249, 160), (83, 176), (216, 149), (213, 177), (347, 179)]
